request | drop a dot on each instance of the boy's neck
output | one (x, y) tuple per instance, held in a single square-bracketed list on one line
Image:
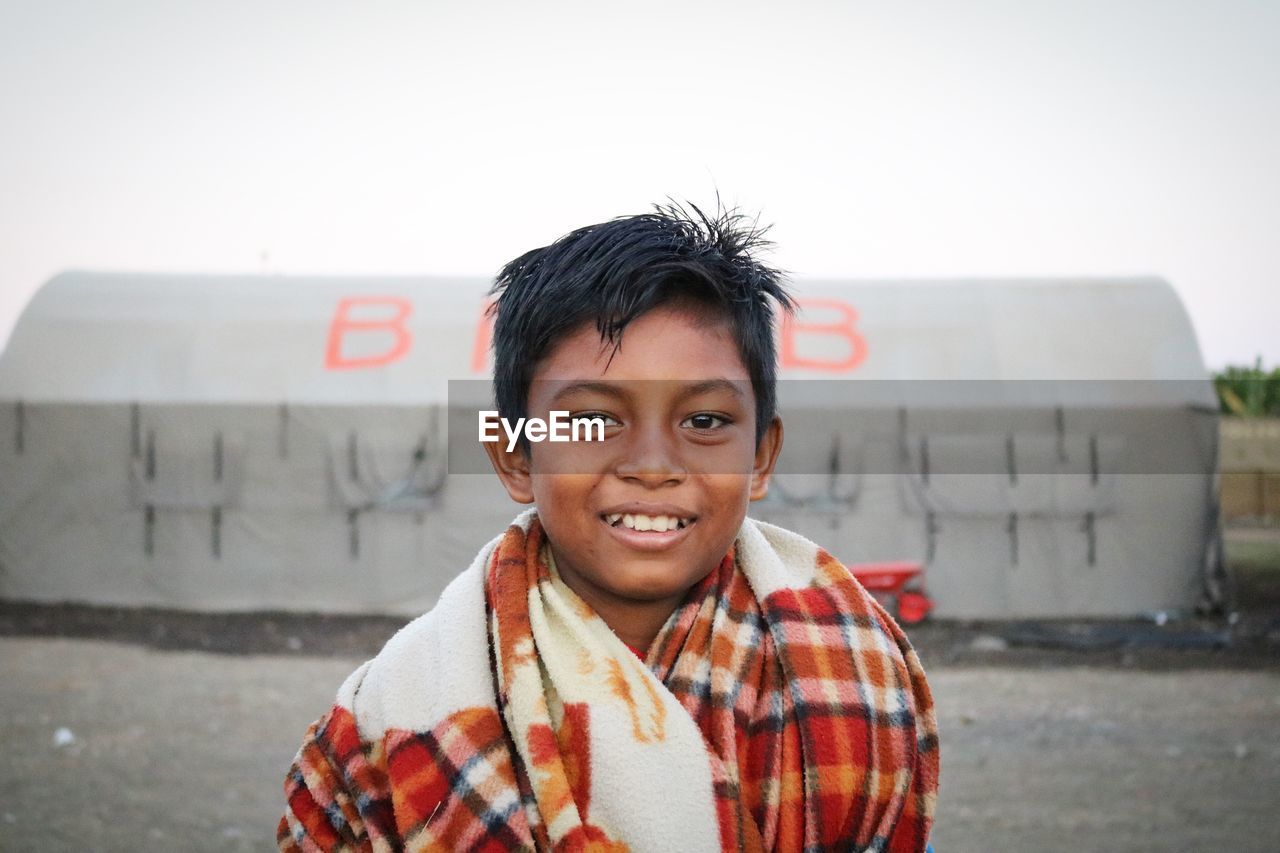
[(637, 627), (636, 623)]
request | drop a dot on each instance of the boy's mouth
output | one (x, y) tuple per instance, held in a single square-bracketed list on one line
[(647, 523)]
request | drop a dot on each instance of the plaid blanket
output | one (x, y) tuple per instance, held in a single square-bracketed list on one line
[(779, 708)]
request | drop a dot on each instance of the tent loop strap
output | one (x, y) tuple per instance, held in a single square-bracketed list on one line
[(149, 531), (931, 535), (1013, 538), (151, 454), (1060, 426), (836, 496), (216, 533), (353, 457), (353, 532), (135, 431)]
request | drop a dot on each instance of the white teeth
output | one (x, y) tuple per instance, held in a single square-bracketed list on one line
[(655, 523)]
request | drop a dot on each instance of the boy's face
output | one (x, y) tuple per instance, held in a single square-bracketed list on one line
[(679, 451)]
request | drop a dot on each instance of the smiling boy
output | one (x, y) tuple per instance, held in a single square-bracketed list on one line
[(678, 410), (634, 664)]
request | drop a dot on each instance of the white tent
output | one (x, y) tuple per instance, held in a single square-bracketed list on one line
[(238, 443)]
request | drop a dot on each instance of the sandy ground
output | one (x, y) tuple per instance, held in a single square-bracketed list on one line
[(187, 750)]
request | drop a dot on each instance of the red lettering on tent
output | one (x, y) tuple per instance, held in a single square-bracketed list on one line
[(842, 327), (393, 325), (483, 339)]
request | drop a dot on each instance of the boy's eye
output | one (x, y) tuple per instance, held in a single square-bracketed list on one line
[(704, 421), (609, 420)]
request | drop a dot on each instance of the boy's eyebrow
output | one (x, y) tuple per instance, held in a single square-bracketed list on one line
[(615, 390), (606, 388), (708, 385)]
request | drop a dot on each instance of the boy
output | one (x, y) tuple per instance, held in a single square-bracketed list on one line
[(633, 664)]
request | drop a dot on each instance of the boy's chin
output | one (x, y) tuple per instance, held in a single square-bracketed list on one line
[(648, 584)]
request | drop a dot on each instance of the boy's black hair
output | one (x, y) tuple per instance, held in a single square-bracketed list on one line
[(613, 272)]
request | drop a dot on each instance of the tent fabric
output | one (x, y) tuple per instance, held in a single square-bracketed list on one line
[(135, 338), (189, 478), (247, 443), (386, 470)]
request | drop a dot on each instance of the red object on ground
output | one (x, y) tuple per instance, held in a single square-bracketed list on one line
[(913, 607), (889, 576), (889, 580)]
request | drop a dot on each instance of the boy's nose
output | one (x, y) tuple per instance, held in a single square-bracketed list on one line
[(652, 459)]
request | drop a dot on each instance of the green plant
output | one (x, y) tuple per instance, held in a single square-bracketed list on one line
[(1249, 392)]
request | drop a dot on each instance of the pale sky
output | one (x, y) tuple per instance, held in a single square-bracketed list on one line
[(955, 139)]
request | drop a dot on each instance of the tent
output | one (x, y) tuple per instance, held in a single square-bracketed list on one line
[(1047, 448)]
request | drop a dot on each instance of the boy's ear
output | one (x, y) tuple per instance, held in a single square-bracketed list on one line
[(512, 468), (766, 458)]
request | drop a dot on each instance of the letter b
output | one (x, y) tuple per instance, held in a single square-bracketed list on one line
[(842, 327), (382, 326)]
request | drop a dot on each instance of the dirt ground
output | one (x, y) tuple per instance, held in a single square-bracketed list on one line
[(159, 730), (169, 749)]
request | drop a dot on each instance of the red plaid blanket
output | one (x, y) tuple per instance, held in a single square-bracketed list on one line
[(780, 708)]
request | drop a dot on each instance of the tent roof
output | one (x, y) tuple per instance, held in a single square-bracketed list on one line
[(124, 337)]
